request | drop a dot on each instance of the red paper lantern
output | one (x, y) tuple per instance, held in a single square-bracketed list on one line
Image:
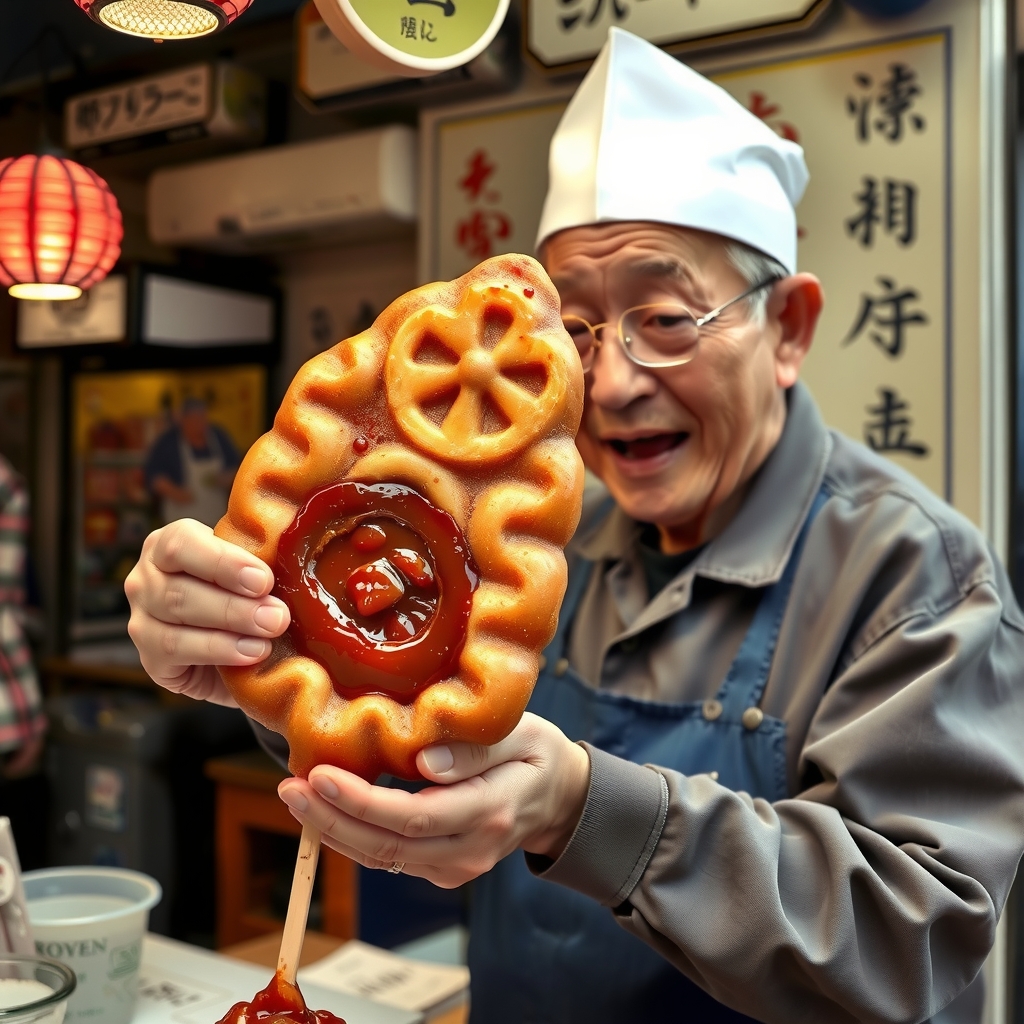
[(60, 227), (164, 19)]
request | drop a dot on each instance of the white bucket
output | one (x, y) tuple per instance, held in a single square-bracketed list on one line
[(93, 920)]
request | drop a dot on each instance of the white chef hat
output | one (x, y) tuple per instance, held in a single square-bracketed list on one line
[(647, 138)]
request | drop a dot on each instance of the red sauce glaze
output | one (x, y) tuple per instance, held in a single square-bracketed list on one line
[(368, 538), (528, 292), (380, 584), (278, 1003)]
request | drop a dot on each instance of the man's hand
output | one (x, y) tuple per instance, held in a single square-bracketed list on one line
[(198, 601), (527, 792)]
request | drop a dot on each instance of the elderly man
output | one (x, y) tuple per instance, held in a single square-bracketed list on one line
[(794, 673)]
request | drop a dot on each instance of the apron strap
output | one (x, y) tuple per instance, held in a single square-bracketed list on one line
[(745, 682)]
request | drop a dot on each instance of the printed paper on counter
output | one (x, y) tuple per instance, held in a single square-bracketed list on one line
[(372, 973)]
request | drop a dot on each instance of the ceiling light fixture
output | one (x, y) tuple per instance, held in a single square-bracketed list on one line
[(60, 227), (164, 19)]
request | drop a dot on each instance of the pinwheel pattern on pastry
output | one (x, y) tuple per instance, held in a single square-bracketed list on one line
[(413, 499)]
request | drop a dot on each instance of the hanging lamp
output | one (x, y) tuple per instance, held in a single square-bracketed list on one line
[(60, 227), (164, 19)]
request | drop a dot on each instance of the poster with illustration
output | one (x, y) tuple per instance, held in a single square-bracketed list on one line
[(150, 447)]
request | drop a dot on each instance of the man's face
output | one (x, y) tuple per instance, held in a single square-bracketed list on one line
[(672, 445), (193, 425)]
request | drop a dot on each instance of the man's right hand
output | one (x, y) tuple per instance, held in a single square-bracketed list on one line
[(198, 601)]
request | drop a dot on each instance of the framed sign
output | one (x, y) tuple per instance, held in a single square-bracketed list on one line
[(486, 177), (96, 316), (875, 124), (330, 76), (140, 107), (205, 100), (566, 34)]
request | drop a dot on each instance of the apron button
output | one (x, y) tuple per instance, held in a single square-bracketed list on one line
[(752, 718), (561, 666), (542, 664), (711, 709)]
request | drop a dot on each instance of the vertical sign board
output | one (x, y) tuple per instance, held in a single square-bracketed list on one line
[(874, 226), (492, 174)]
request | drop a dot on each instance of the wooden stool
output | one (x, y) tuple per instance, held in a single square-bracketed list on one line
[(247, 802)]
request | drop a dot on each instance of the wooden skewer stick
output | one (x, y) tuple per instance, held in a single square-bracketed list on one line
[(298, 903)]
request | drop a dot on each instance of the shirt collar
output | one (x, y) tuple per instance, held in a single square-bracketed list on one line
[(754, 548)]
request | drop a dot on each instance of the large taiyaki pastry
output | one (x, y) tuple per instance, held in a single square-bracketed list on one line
[(413, 499)]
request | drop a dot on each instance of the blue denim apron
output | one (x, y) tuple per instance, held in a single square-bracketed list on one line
[(543, 954)]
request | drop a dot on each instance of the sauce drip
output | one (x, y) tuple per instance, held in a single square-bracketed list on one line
[(380, 583), (278, 1003)]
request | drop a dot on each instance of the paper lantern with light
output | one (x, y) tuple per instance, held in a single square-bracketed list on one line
[(60, 227), (164, 19)]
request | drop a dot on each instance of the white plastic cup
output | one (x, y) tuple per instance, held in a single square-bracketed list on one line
[(93, 920)]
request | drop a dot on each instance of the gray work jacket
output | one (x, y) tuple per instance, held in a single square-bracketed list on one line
[(872, 893)]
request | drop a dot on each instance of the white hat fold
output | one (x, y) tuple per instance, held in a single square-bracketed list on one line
[(647, 138)]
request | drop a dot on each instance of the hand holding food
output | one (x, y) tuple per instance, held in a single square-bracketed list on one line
[(413, 499)]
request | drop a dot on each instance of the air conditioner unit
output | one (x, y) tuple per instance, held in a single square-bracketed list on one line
[(344, 188)]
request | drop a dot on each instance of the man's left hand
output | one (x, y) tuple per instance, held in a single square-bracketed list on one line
[(528, 792)]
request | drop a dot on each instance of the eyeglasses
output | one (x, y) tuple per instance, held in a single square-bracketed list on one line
[(656, 336)]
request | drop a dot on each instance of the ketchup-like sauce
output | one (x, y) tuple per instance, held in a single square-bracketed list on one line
[(278, 1003), (380, 584)]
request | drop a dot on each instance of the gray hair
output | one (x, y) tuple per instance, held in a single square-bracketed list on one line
[(754, 266)]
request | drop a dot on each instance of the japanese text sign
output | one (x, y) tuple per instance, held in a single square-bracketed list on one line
[(873, 122), (567, 31), (492, 173), (427, 28), (140, 107)]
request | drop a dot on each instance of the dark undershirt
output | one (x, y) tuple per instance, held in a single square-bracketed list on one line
[(661, 569)]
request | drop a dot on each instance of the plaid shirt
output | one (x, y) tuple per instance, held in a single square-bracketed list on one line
[(21, 709)]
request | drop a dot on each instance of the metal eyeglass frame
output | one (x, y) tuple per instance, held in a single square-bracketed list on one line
[(698, 323)]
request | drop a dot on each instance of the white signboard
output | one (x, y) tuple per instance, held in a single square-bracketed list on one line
[(188, 314), (325, 67), (874, 122), (567, 31), (98, 315), (491, 173), (140, 107)]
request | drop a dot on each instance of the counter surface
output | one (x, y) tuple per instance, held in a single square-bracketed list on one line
[(182, 984)]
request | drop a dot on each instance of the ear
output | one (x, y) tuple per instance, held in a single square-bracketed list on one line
[(795, 305)]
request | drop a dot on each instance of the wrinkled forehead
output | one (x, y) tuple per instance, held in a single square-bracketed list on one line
[(586, 258)]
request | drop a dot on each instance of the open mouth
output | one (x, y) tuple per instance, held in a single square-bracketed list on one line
[(647, 447)]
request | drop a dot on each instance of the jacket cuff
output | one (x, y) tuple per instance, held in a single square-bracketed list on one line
[(621, 824)]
